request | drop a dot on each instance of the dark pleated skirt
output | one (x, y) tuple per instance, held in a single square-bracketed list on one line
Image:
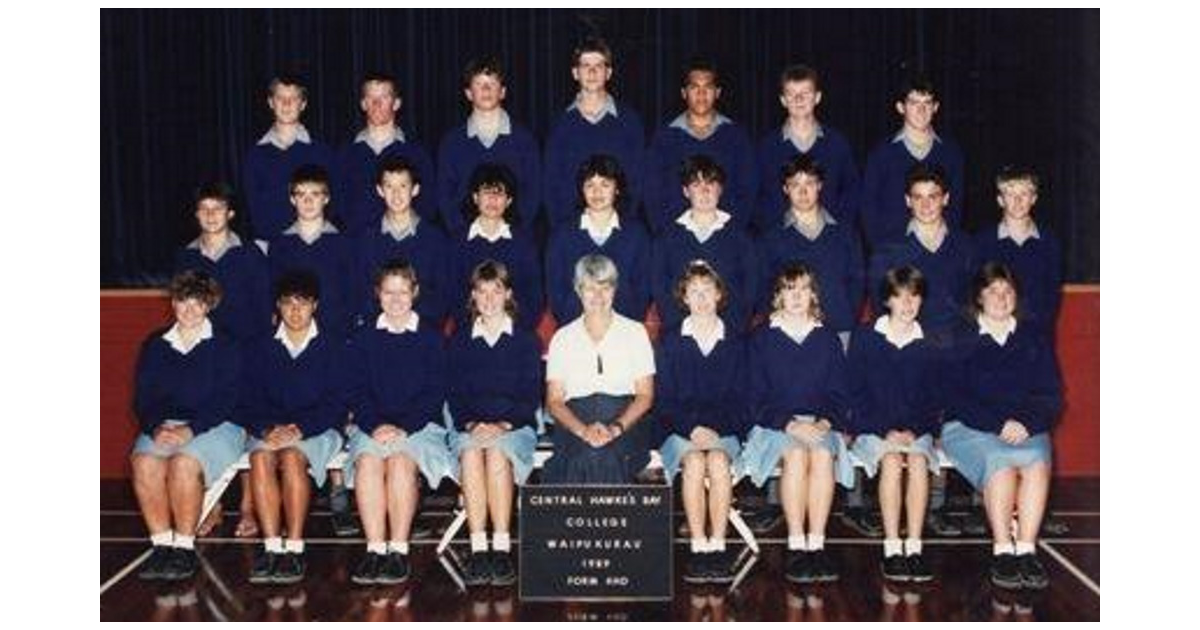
[(577, 462)]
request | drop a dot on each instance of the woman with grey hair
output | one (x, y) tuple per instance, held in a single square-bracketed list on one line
[(599, 386)]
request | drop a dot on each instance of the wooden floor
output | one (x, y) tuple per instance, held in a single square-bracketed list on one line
[(961, 592)]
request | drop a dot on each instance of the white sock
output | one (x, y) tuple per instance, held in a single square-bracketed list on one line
[(501, 542), (892, 547), (399, 546), (1024, 548), (912, 547), (163, 538), (377, 547), (816, 542), (716, 544), (294, 546), (273, 544), (478, 542), (699, 544), (1003, 548), (185, 542), (797, 543)]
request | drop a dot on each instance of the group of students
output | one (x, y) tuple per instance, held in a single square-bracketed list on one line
[(762, 365)]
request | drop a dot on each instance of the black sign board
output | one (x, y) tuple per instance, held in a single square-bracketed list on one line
[(596, 543)]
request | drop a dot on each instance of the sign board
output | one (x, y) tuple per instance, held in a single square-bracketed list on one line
[(596, 543)]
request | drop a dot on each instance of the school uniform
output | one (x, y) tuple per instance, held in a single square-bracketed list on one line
[(725, 247), (1037, 262), (329, 257), (519, 254), (465, 147), (840, 186), (422, 245), (267, 170), (244, 311), (884, 211), (625, 242), (356, 204)]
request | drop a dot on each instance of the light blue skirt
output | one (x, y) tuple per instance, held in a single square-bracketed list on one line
[(765, 447), (216, 449), (676, 446), (978, 455), (318, 450), (516, 445), (869, 449), (427, 448)]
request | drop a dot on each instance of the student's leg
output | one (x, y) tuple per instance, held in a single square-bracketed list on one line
[(297, 493), (916, 494), (150, 487), (998, 497), (402, 496), (264, 486), (693, 494), (475, 499), (185, 480), (891, 470), (1032, 495), (247, 526), (793, 491), (720, 493), (820, 491), (370, 494), (500, 490)]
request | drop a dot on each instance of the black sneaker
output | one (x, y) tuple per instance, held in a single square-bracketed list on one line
[(263, 568), (695, 570), (865, 522), (798, 567), (1006, 571), (764, 519), (154, 566), (345, 524), (1033, 573), (395, 569), (181, 565), (367, 571), (504, 572), (478, 569), (918, 570), (289, 568), (895, 568), (720, 567), (941, 524), (823, 567)]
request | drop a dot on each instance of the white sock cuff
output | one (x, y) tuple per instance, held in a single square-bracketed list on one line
[(185, 542), (716, 544), (399, 546), (1024, 548), (164, 538), (380, 547), (501, 541), (797, 543), (273, 544), (892, 547), (1003, 548), (294, 546), (912, 546), (479, 542), (816, 542)]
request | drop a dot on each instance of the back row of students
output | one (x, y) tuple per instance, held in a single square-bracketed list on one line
[(596, 123)]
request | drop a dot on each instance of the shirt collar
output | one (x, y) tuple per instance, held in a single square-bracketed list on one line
[(703, 233), (899, 137), (326, 228), (1000, 336), (174, 338), (797, 333), (296, 350), (231, 241), (882, 326), (799, 143), (1002, 232), (811, 233), (379, 145), (938, 238), (597, 233), (381, 323), (609, 108), (387, 227), (688, 329), (273, 138), (476, 230), (478, 330), (475, 131), (680, 122)]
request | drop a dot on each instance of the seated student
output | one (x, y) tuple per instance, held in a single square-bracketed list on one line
[(495, 387), (292, 407), (313, 244), (894, 414), (1003, 396), (605, 229), (806, 232), (599, 386), (397, 382), (1032, 251), (702, 404), (704, 232), (798, 396), (402, 234), (185, 393), (491, 213)]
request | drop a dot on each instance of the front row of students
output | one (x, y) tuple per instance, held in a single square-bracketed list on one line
[(787, 398)]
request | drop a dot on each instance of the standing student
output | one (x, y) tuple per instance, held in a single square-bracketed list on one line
[(495, 387)]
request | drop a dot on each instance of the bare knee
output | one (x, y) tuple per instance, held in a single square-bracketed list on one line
[(795, 461), (891, 462), (401, 469), (147, 467), (821, 461), (917, 463), (497, 463), (693, 467), (262, 460), (718, 464)]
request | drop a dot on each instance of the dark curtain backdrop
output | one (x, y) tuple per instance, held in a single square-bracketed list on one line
[(183, 92)]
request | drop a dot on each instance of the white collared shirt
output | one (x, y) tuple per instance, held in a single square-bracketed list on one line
[(326, 228), (811, 232), (612, 366), (883, 327), (932, 244), (803, 147), (175, 338), (599, 234), (796, 333), (1002, 232), (680, 122), (476, 231), (382, 323), (298, 349), (608, 109), (231, 241), (706, 344), (478, 330), (702, 233), (272, 137), (488, 136), (389, 228), (378, 146), (1001, 334)]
